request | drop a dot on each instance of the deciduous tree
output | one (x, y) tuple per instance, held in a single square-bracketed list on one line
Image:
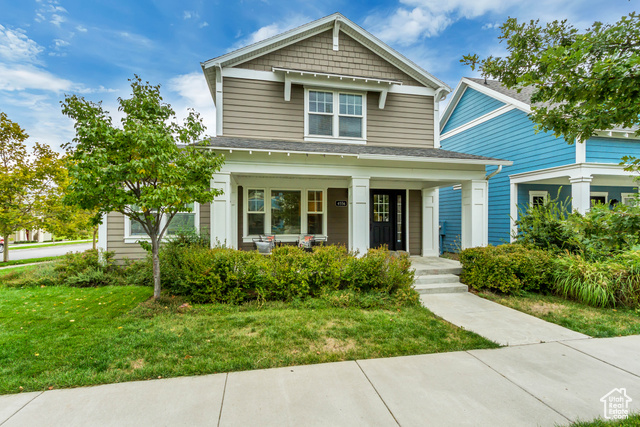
[(138, 168)]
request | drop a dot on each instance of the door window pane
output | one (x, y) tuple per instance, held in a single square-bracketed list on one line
[(381, 208), (285, 212), (399, 219)]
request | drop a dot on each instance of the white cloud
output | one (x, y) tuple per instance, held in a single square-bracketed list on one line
[(15, 46), (51, 11), (204, 24), (188, 14), (271, 30), (29, 77), (193, 92), (489, 25), (81, 29)]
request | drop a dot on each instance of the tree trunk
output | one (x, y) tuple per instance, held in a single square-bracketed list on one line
[(155, 253), (5, 254), (95, 233)]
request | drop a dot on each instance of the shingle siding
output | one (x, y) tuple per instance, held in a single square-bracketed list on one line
[(472, 104), (316, 54)]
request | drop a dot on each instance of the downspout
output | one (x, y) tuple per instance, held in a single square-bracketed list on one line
[(494, 173), (437, 97)]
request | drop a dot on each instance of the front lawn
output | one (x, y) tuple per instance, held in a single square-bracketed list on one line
[(58, 336), (633, 420), (593, 321)]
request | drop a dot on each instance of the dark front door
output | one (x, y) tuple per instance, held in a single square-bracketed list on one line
[(387, 219)]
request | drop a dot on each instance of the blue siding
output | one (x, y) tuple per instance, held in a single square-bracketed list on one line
[(472, 104), (450, 211), (509, 136), (523, 193), (611, 150)]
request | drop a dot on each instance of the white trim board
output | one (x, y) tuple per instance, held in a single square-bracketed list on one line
[(569, 171), (475, 122)]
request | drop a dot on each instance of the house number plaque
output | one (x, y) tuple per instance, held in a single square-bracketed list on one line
[(341, 203)]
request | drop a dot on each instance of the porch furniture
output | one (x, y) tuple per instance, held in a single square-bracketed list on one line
[(265, 243), (308, 241)]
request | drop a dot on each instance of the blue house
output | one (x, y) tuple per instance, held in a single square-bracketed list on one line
[(485, 118)]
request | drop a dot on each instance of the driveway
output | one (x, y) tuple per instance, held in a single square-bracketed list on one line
[(18, 254)]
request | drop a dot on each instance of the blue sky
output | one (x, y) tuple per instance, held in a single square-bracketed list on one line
[(49, 48)]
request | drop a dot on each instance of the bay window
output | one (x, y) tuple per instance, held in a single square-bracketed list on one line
[(323, 120)]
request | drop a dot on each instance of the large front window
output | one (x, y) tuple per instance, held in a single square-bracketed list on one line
[(181, 222), (272, 210), (325, 121)]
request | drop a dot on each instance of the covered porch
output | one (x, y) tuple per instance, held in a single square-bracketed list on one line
[(350, 197)]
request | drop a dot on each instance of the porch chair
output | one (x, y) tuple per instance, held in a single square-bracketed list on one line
[(265, 243)]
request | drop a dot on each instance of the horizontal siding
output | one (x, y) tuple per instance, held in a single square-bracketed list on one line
[(450, 213), (316, 54), (115, 239), (337, 217), (205, 218), (253, 108), (611, 150), (472, 104), (405, 121), (509, 136), (415, 222)]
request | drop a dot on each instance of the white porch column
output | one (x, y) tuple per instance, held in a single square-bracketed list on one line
[(475, 213), (102, 234), (430, 222), (513, 211), (359, 214), (581, 193), (221, 220), (234, 215)]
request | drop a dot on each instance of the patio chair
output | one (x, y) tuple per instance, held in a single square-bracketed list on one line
[(265, 243)]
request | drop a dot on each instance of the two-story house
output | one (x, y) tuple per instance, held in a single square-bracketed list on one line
[(328, 131), (485, 118)]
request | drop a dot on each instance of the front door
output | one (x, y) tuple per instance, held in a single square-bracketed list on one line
[(387, 219)]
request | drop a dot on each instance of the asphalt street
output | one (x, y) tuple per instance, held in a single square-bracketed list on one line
[(18, 254)]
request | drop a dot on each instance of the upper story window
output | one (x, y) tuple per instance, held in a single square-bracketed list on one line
[(325, 122)]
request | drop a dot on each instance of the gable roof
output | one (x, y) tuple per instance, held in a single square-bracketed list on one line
[(316, 27)]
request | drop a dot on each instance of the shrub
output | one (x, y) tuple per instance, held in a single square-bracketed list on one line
[(226, 275), (506, 268)]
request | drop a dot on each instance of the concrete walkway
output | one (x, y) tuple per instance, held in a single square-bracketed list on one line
[(529, 385)]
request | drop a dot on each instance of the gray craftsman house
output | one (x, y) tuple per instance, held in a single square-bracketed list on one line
[(328, 131)]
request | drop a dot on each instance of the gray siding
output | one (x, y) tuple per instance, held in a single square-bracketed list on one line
[(316, 54), (405, 121), (337, 217), (205, 218), (415, 222), (257, 109), (115, 239)]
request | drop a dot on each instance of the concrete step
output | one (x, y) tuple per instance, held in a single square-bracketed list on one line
[(436, 278), (441, 288), (423, 271)]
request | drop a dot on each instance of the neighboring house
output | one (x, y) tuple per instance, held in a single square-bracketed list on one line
[(34, 235), (485, 118), (328, 131)]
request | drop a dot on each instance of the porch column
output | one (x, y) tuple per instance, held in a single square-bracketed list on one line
[(475, 213), (581, 193), (359, 214), (513, 211), (430, 222), (221, 223)]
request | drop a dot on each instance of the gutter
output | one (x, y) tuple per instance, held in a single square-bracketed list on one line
[(494, 173)]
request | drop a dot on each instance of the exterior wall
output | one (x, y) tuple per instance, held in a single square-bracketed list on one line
[(472, 104), (509, 136), (115, 239), (415, 222), (337, 217), (611, 150), (257, 109), (405, 121), (565, 192), (450, 216), (205, 218), (316, 54)]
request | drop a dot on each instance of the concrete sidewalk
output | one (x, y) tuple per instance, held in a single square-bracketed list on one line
[(528, 385)]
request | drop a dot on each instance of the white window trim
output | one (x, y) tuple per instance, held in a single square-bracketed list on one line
[(336, 116), (304, 222), (625, 196), (599, 194), (538, 193), (128, 238)]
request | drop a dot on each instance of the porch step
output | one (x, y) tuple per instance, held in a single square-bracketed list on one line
[(424, 271), (440, 288), (435, 278)]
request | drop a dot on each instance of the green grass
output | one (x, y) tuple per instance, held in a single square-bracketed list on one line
[(29, 246), (66, 337), (592, 321), (633, 420), (16, 272), (29, 261)]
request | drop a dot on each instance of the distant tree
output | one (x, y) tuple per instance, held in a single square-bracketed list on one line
[(583, 81), (27, 181), (139, 169)]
